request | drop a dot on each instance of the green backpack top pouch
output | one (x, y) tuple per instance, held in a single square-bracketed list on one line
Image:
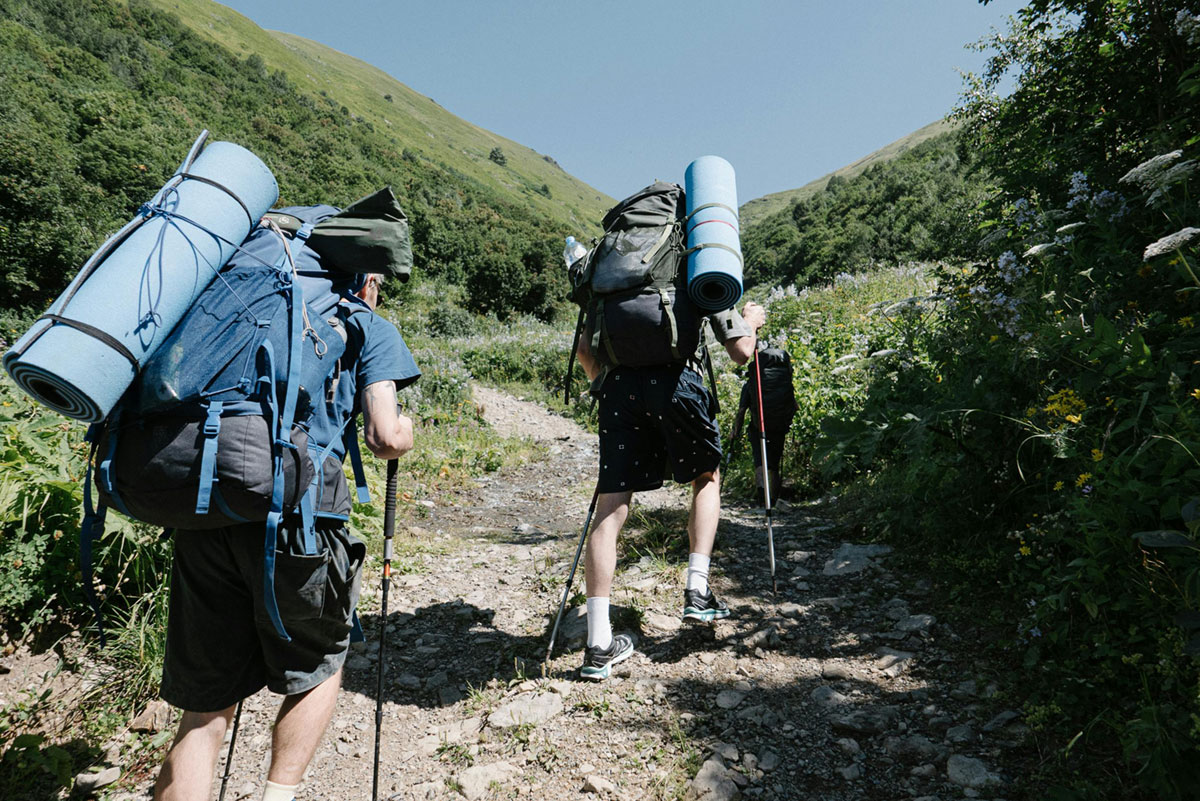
[(369, 236)]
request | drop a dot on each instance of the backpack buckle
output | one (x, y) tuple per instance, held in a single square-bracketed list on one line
[(212, 422)]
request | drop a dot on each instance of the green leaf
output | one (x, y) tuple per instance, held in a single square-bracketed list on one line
[(1164, 538)]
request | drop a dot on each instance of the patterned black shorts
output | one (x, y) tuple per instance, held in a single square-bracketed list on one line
[(655, 421)]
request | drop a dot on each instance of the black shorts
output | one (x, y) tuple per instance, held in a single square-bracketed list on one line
[(655, 421), (221, 645), (775, 440)]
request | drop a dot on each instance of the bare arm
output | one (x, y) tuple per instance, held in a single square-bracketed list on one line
[(586, 360), (388, 433), (742, 348)]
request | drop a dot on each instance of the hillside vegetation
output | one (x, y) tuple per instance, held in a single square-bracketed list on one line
[(755, 211), (415, 121), (922, 204), (102, 100)]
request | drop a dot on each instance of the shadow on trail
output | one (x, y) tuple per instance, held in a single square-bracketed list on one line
[(437, 653)]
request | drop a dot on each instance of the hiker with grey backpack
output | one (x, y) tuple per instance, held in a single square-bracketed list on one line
[(643, 344)]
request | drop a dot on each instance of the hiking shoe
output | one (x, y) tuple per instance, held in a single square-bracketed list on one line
[(597, 663), (703, 607)]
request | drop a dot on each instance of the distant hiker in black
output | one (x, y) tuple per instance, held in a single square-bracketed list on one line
[(221, 647), (657, 420), (778, 407)]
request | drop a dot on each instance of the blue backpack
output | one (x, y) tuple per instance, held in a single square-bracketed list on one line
[(215, 429)]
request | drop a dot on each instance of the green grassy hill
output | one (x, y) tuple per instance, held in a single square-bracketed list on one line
[(102, 98), (757, 210), (414, 121)]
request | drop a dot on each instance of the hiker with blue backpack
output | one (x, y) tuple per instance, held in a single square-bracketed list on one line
[(221, 643), (222, 353), (643, 344)]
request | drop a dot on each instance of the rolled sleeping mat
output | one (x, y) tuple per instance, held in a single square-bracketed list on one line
[(714, 268), (82, 354)]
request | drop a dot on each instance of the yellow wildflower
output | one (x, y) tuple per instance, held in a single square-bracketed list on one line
[(1195, 394), (1065, 403), (1073, 418), (1025, 550), (1097, 454), (994, 338), (1083, 479), (1186, 322), (1058, 485)]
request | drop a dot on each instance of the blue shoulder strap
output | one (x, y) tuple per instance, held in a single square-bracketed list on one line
[(282, 442), (350, 440)]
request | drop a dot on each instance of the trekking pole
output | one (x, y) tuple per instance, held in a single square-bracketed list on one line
[(237, 719), (389, 530), (571, 578), (762, 441)]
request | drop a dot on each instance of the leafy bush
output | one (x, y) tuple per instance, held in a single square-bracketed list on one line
[(1037, 440)]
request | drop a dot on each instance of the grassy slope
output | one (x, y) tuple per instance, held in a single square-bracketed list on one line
[(759, 209), (415, 121)]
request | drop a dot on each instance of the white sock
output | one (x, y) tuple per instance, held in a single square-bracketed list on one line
[(279, 792), (697, 575), (599, 629)]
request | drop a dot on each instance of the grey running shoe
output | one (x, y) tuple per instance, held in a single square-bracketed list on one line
[(597, 663), (703, 607)]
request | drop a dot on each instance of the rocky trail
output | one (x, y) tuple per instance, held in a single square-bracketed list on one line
[(844, 686)]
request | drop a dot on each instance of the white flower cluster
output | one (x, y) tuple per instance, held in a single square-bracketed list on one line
[(1188, 26), (853, 280), (1158, 174), (1172, 243)]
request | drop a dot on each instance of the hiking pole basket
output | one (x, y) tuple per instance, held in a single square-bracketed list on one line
[(389, 530), (766, 472), (237, 719), (571, 578)]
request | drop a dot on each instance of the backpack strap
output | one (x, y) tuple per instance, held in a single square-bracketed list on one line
[(665, 299), (282, 441), (350, 438), (571, 358), (105, 470), (704, 206), (208, 456)]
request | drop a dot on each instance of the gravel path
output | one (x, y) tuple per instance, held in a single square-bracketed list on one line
[(844, 686)]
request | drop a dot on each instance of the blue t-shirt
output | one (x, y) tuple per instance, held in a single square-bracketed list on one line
[(375, 352)]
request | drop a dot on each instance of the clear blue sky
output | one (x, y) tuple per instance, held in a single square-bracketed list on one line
[(621, 93)]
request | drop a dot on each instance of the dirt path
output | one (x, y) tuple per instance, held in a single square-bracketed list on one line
[(845, 686)]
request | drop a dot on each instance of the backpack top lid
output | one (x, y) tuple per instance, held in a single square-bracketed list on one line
[(369, 236), (657, 204)]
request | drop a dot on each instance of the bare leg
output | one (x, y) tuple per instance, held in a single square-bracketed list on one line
[(706, 512), (299, 726), (187, 772), (600, 561)]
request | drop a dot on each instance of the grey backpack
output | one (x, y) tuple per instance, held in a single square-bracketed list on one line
[(630, 286)]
